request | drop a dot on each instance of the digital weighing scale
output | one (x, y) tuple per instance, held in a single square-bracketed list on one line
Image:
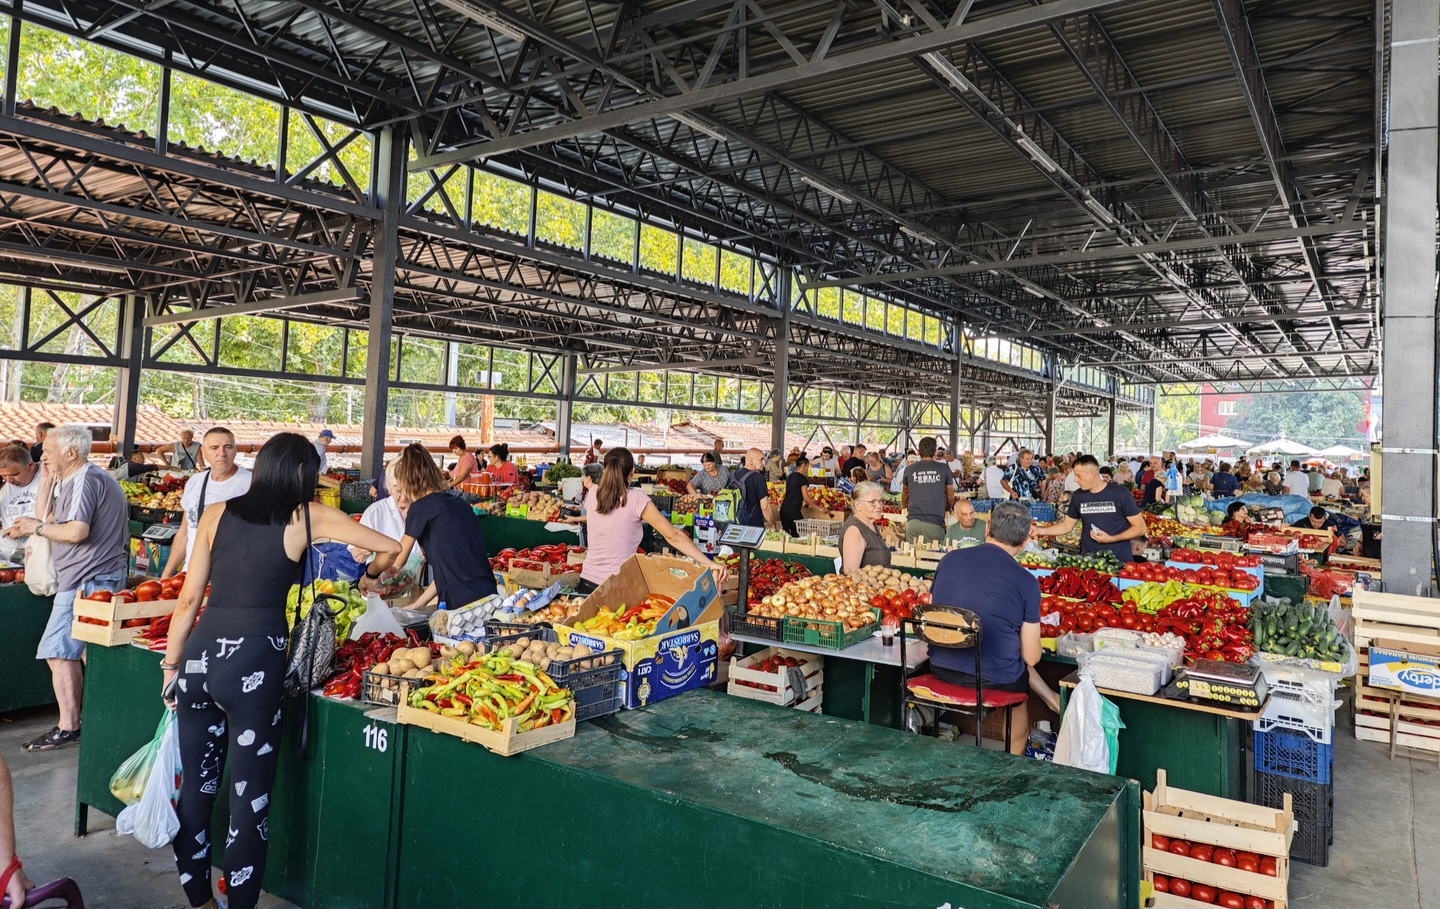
[(743, 539)]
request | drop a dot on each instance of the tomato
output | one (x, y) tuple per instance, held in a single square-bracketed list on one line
[(1225, 857), (1267, 866), (7, 576), (123, 596), (100, 596), (170, 594), (1241, 856), (879, 602), (1200, 852), (1179, 886), (1231, 900), (1202, 893), (20, 576), (148, 590), (1254, 902), (1179, 847), (1250, 865), (925, 599), (1162, 884), (1129, 620), (1160, 842), (909, 596), (1067, 623)]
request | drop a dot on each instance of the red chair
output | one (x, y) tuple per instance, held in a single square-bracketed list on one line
[(952, 628)]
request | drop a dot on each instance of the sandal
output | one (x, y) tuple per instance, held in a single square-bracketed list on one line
[(55, 738)]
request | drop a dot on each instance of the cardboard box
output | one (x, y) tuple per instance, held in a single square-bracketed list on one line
[(666, 664), (1409, 668)]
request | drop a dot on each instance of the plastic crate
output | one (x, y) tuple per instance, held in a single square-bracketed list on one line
[(1314, 807), (770, 628), (597, 689), (357, 489), (983, 506), (832, 635), (1314, 721), (807, 526), (385, 690), (495, 628), (1293, 754), (1042, 511), (154, 515)]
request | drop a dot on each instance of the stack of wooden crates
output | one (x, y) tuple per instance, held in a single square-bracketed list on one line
[(1408, 724)]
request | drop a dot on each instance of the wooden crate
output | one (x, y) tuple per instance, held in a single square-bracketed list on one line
[(785, 694), (539, 575), (1418, 720), (1395, 617), (505, 743), (114, 615), (1199, 818)]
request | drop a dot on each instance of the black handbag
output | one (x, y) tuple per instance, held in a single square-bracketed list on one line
[(312, 643)]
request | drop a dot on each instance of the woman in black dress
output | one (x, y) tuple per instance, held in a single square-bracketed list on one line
[(231, 665), (795, 483)]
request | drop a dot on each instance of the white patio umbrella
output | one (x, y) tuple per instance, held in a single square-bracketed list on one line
[(1341, 453), (1213, 441), (1281, 446)]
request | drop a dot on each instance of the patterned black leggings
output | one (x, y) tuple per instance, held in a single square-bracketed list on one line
[(229, 702)]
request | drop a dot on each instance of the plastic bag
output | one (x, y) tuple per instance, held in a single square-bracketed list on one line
[(40, 567), (1090, 732), (152, 820), (128, 782)]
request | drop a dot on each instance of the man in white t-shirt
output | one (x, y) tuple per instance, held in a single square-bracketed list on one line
[(1334, 485), (17, 498), (1134, 467), (223, 481), (1296, 483), (993, 475)]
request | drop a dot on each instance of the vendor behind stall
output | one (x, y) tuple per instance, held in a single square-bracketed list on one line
[(387, 516), (967, 524), (710, 478), (860, 541), (989, 582), (615, 517), (1107, 513), (790, 506)]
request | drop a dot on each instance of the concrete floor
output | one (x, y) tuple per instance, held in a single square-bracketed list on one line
[(1385, 823)]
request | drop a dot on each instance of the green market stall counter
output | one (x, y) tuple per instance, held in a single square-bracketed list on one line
[(1202, 747), (731, 802), (341, 800), (710, 800), (23, 616), (522, 533)]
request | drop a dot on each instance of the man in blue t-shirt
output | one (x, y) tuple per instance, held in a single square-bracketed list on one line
[(1107, 513), (1224, 484), (988, 581)]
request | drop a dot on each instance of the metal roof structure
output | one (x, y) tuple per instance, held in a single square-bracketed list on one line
[(1167, 190)]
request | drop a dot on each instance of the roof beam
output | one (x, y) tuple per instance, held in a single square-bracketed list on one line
[(273, 304), (1184, 323), (777, 80), (1217, 242)]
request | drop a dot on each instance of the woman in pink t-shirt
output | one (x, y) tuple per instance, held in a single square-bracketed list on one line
[(616, 516)]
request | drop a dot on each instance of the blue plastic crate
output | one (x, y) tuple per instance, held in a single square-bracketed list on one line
[(1042, 511), (1293, 754), (983, 506)]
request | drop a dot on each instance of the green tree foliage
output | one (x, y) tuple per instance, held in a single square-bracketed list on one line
[(216, 118), (78, 77), (1317, 419)]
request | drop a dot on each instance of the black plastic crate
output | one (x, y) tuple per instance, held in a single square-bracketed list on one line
[(154, 515), (495, 628), (596, 687), (771, 628), (1313, 805)]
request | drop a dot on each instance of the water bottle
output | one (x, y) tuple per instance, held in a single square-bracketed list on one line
[(1040, 744)]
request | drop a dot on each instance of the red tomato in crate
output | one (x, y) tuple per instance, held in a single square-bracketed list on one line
[(1161, 884), (1179, 847), (1231, 900), (1225, 857), (1180, 887), (1202, 893), (1255, 902), (1201, 852), (1157, 841)]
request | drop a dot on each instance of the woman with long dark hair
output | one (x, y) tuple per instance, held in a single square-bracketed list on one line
[(616, 516), (231, 666), (502, 471), (445, 528)]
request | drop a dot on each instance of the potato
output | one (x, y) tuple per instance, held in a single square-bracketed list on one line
[(420, 656), (446, 651), (524, 643), (465, 647), (543, 663), (400, 666), (381, 669)]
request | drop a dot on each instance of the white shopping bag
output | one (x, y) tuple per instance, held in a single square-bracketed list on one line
[(152, 820)]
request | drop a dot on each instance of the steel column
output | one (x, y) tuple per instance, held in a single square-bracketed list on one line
[(1110, 432), (780, 405), (1049, 427), (1407, 455), (956, 396), (127, 386), (565, 407), (1153, 407), (452, 378), (389, 190)]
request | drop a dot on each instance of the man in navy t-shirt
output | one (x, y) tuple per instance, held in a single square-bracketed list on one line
[(988, 581), (1108, 516), (1224, 483)]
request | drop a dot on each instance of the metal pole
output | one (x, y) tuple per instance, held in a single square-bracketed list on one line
[(1407, 454), (390, 196), (956, 396), (779, 409), (565, 407), (1049, 427), (127, 388), (1110, 432), (1154, 406), (452, 378)]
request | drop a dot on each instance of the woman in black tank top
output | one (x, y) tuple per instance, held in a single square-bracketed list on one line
[(229, 668)]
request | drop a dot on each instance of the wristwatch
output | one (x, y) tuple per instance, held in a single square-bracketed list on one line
[(373, 577)]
